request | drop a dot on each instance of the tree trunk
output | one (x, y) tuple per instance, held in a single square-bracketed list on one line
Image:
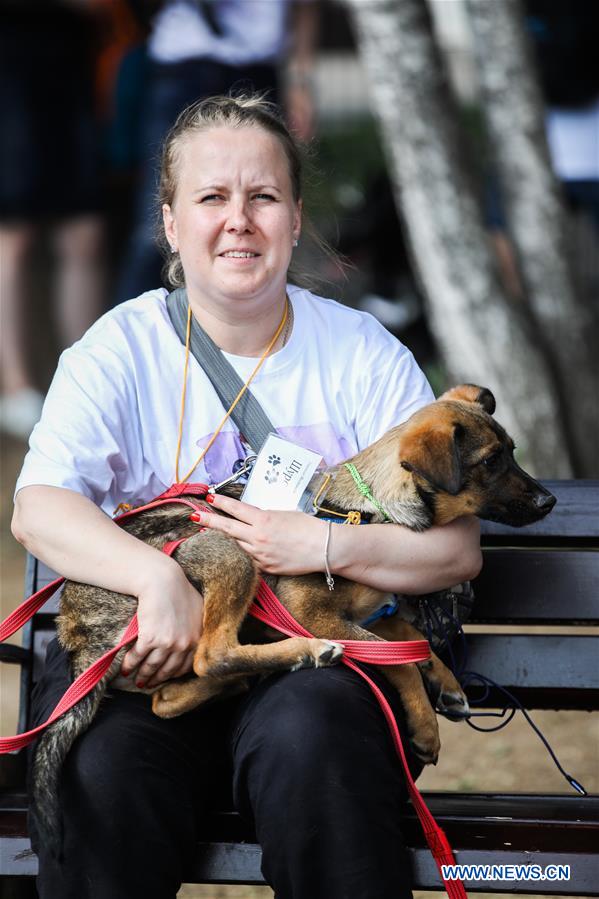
[(482, 337), (536, 221)]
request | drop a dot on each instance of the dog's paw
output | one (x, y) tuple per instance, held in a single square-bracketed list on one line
[(163, 704), (445, 693), (426, 744), (322, 654), (453, 705), (166, 701), (423, 727), (176, 697), (329, 653)]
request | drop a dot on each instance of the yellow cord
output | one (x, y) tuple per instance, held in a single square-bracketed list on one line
[(325, 483), (350, 518), (183, 392), (274, 339)]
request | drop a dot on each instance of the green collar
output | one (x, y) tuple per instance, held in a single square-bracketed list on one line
[(365, 489)]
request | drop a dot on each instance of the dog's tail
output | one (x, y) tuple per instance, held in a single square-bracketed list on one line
[(50, 754)]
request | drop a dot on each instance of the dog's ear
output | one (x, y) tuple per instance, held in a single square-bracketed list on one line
[(471, 393), (432, 451)]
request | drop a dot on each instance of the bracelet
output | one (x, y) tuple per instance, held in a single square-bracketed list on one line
[(328, 575)]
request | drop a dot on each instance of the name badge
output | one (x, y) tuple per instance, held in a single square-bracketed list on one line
[(280, 476)]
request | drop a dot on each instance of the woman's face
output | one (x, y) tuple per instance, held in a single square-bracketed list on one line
[(233, 219)]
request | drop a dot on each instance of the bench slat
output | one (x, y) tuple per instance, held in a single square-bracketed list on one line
[(218, 863), (543, 830), (536, 660), (239, 863), (584, 872), (537, 585), (544, 672)]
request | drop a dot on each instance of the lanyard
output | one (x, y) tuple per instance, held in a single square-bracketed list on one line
[(266, 352)]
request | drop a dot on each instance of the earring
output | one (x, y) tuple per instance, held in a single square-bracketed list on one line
[(173, 248), (295, 242)]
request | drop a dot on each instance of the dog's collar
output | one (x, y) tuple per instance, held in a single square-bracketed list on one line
[(365, 489), (353, 516)]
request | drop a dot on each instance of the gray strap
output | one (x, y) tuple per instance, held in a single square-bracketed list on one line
[(248, 414)]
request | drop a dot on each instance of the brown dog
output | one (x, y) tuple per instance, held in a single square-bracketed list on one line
[(450, 459)]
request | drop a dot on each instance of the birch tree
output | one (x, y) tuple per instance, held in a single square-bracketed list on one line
[(483, 337), (514, 108)]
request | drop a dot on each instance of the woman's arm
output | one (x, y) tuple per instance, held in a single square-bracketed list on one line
[(68, 532), (395, 559), (388, 557)]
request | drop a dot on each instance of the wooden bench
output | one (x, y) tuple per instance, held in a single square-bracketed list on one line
[(544, 574)]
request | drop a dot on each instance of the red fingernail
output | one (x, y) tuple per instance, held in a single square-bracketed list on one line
[(140, 684), (195, 516), (210, 497)]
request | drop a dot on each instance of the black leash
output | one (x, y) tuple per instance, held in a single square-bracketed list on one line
[(435, 627)]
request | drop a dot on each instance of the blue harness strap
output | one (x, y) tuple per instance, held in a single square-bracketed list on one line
[(337, 519), (386, 611)]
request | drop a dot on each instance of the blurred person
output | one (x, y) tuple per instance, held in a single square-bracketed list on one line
[(565, 37), (199, 49), (306, 755), (371, 236), (49, 180)]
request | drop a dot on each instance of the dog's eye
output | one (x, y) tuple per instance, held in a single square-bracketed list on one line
[(491, 461)]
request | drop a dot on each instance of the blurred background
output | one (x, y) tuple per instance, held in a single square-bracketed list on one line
[(453, 161)]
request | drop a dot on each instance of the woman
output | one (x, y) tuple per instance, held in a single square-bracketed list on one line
[(324, 792), (50, 187)]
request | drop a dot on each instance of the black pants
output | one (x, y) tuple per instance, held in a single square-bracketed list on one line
[(311, 764)]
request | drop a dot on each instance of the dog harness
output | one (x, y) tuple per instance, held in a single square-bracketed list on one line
[(267, 608)]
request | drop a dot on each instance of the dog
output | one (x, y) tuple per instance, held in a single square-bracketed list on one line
[(451, 458)]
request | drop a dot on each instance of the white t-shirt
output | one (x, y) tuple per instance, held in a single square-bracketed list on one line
[(573, 136), (250, 31), (110, 421)]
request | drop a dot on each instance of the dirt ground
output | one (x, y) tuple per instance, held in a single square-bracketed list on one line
[(509, 761)]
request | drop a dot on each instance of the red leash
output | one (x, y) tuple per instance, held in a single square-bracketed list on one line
[(268, 609), (88, 679)]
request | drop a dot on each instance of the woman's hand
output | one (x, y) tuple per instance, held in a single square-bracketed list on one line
[(279, 542), (68, 532), (170, 613), (391, 558)]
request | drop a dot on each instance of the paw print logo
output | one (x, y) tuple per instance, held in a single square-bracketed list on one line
[(271, 476), (274, 460)]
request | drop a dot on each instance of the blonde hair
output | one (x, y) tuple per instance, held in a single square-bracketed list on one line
[(244, 110)]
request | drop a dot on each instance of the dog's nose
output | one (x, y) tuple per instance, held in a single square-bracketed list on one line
[(545, 501)]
